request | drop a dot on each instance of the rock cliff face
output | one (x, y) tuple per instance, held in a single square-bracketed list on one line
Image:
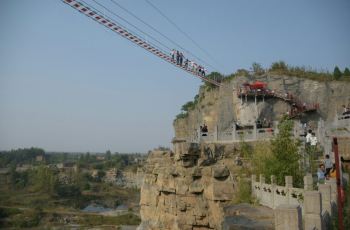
[(221, 106), (185, 189), (193, 186)]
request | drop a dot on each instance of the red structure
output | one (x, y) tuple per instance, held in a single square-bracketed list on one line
[(259, 89)]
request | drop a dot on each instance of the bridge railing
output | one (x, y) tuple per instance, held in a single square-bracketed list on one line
[(235, 135)]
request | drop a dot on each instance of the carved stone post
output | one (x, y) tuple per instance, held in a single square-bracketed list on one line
[(288, 181), (308, 183), (288, 217), (312, 210)]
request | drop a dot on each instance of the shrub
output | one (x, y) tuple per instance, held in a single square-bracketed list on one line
[(244, 192), (337, 73), (257, 68), (6, 212), (278, 66), (347, 72)]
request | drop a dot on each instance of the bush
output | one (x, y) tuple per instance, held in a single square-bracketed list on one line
[(278, 66), (346, 72), (68, 191), (6, 212), (244, 192), (257, 68), (337, 73), (29, 219)]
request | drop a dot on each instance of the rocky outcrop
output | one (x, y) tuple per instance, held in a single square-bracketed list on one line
[(193, 186), (178, 193)]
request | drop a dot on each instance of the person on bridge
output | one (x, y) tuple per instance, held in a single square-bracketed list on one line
[(173, 53), (186, 63), (203, 72), (177, 57), (181, 58)]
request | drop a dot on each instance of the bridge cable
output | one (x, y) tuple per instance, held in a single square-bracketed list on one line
[(126, 21), (181, 31), (163, 35)]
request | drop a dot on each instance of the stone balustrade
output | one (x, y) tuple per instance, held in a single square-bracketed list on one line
[(294, 206)]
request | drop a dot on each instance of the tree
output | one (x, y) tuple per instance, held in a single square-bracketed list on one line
[(347, 72), (337, 73), (257, 68), (188, 106), (280, 65), (282, 157)]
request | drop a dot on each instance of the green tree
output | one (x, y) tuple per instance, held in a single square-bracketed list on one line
[(281, 158), (188, 106), (285, 157), (45, 180), (337, 73), (278, 66), (257, 68), (347, 72)]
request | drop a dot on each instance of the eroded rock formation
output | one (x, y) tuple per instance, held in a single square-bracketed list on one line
[(185, 189)]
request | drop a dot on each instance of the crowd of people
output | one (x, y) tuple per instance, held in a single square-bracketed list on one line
[(178, 58)]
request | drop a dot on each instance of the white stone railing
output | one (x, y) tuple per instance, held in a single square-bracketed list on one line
[(272, 195), (234, 135), (295, 206)]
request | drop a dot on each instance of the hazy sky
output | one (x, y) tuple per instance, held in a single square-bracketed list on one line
[(68, 84)]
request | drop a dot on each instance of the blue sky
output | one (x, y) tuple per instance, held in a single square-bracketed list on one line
[(68, 84)]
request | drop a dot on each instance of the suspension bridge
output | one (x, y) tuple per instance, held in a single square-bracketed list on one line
[(122, 31)]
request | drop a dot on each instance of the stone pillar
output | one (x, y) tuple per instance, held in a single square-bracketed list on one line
[(199, 135), (262, 179), (276, 131), (312, 210), (288, 181), (333, 183), (325, 190), (255, 132), (273, 180), (288, 217), (308, 183), (215, 133), (234, 131)]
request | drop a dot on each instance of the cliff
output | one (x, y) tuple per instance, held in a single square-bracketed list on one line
[(194, 186), (221, 106)]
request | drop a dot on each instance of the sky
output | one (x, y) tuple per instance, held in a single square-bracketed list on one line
[(69, 84)]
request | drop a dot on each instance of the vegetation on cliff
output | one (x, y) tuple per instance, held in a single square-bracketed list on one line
[(280, 157)]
